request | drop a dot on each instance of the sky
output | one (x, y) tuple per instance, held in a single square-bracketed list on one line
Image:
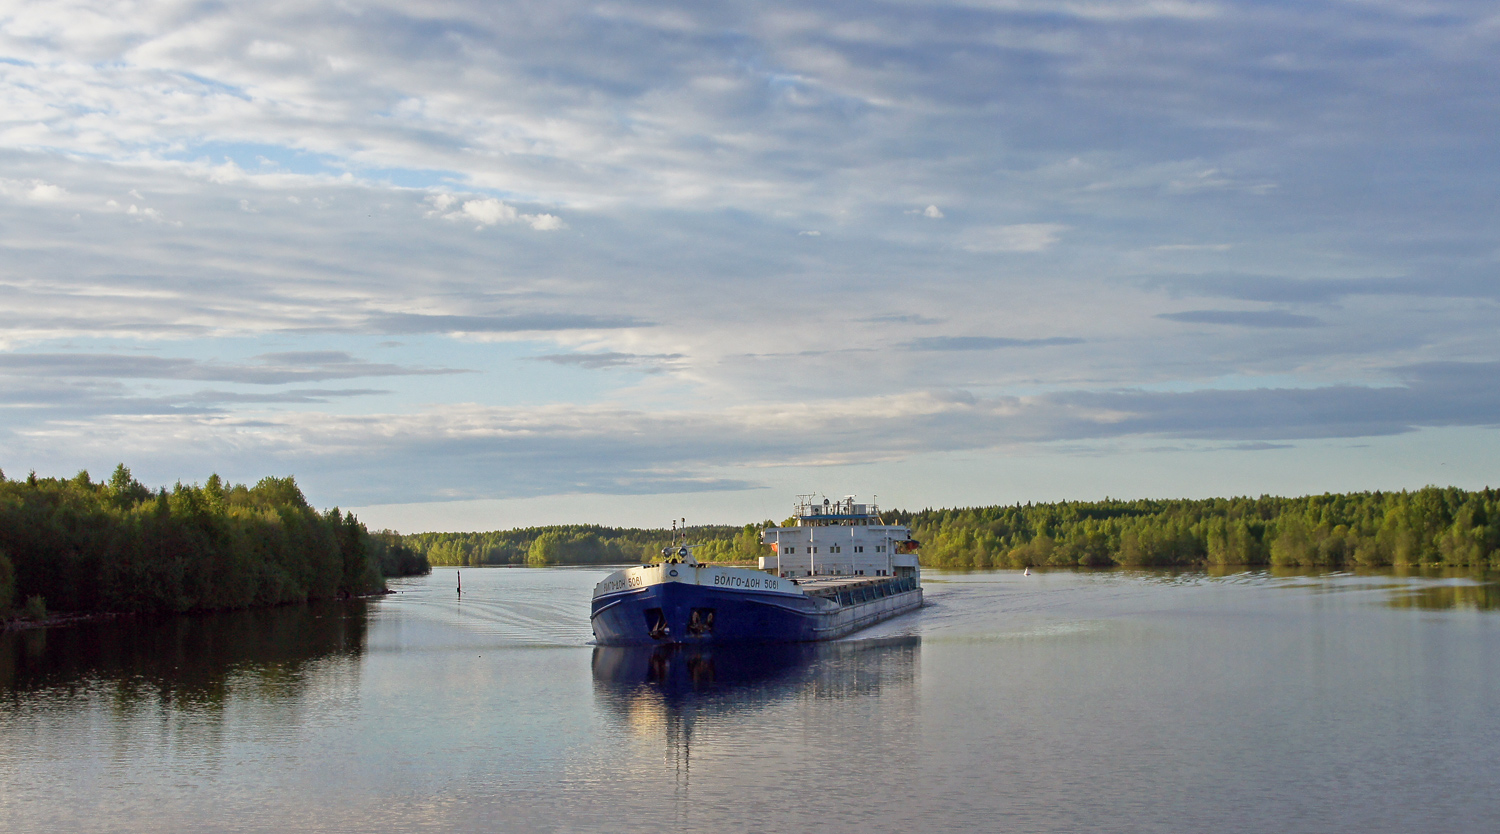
[(478, 265)]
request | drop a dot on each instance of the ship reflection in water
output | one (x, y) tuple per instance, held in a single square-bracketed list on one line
[(690, 695)]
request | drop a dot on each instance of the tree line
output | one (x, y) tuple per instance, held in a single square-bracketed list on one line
[(76, 545), (1431, 526), (117, 546), (581, 544)]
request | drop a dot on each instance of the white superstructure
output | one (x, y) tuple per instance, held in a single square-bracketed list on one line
[(838, 538)]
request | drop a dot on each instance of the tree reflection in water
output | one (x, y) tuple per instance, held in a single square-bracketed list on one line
[(1479, 596), (179, 661)]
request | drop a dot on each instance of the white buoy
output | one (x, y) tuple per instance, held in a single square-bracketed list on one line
[(1028, 571)]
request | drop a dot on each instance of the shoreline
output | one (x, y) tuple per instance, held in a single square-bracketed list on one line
[(70, 618), (58, 620)]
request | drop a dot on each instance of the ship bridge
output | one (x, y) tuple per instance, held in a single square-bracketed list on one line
[(811, 513), (838, 538)]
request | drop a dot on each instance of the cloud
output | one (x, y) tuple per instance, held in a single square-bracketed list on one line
[(34, 190), (1432, 394), (902, 318), (1105, 11), (1023, 237), (1243, 318), (606, 448), (986, 342), (71, 402), (517, 323), (598, 361), (270, 49), (490, 212), (1458, 283), (299, 396), (273, 369), (681, 147), (1194, 247), (147, 213)]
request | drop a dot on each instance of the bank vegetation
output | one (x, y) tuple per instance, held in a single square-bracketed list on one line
[(77, 545), (1432, 526), (581, 544)]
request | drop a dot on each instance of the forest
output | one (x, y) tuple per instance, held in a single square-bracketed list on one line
[(74, 545), (1431, 526), (77, 545), (581, 544)]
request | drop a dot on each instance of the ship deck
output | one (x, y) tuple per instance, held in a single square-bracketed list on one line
[(838, 583), (844, 589)]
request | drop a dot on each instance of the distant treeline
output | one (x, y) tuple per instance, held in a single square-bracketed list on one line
[(581, 544), (1432, 526), (77, 545), (1371, 529)]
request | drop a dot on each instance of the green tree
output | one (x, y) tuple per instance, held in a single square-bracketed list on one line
[(119, 547), (7, 584), (545, 549)]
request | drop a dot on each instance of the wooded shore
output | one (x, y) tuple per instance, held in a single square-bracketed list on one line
[(1428, 527), (74, 546)]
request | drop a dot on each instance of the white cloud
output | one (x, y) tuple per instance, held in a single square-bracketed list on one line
[(270, 49), (1021, 237), (932, 212), (544, 222), (147, 213), (35, 190), (489, 211)]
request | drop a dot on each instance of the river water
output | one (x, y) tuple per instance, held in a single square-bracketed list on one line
[(1061, 701)]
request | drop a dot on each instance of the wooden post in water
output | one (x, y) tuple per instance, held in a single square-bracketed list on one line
[(460, 582)]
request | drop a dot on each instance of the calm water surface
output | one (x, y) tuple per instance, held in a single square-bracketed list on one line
[(1056, 702)]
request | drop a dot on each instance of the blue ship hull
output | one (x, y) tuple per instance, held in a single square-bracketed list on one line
[(663, 613), (698, 605)]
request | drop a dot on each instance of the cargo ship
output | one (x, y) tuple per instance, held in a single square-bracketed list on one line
[(835, 569)]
